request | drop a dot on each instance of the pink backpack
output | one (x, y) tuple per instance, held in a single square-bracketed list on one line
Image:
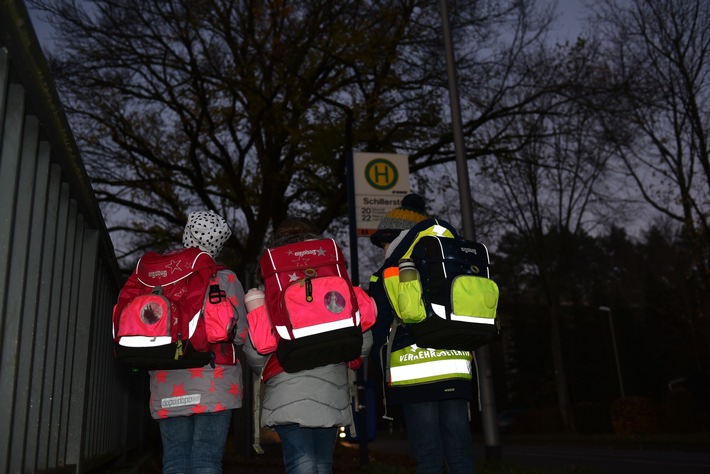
[(311, 304), (171, 312)]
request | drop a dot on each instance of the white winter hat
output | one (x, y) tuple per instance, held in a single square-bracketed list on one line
[(206, 230)]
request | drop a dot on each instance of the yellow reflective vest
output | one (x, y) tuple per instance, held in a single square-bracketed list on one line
[(412, 365)]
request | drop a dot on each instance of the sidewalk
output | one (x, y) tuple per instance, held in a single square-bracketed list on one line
[(385, 449), (393, 450)]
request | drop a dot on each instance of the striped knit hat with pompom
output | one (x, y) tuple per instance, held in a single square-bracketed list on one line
[(410, 212)]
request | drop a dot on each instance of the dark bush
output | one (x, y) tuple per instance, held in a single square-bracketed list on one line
[(679, 412), (634, 415), (592, 418)]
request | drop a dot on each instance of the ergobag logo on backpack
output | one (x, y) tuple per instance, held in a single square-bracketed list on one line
[(453, 304), (170, 311), (311, 304)]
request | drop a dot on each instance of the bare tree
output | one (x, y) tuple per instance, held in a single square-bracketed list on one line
[(551, 181), (659, 83), (242, 107)]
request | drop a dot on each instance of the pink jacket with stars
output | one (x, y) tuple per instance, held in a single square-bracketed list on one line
[(185, 392)]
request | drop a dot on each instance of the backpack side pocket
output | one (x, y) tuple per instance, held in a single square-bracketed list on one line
[(220, 320), (262, 333), (474, 297), (409, 302)]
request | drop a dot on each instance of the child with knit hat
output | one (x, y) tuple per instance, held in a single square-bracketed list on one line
[(411, 211), (194, 407), (433, 387)]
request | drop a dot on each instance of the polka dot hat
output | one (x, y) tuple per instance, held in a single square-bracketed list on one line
[(206, 230)]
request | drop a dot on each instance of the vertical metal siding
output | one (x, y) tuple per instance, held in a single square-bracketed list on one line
[(35, 312), (67, 406), (18, 277)]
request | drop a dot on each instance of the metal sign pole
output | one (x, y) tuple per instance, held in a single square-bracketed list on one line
[(485, 379)]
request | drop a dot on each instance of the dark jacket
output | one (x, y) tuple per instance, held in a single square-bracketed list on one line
[(455, 388)]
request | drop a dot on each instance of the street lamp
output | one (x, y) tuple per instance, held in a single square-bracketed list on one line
[(607, 309)]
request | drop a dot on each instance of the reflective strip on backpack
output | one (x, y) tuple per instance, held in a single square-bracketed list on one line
[(192, 326), (318, 328), (440, 230), (473, 319), (440, 311), (273, 266), (145, 341)]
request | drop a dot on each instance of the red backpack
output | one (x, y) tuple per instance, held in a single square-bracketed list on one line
[(311, 304), (171, 311)]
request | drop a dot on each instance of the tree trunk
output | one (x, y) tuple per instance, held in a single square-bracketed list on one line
[(558, 365)]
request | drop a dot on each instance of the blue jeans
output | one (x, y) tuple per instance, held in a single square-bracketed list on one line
[(307, 450), (194, 444), (439, 434)]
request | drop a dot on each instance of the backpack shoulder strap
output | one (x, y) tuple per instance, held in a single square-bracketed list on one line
[(434, 227)]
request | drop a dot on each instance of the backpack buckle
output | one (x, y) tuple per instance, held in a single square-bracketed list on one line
[(216, 294)]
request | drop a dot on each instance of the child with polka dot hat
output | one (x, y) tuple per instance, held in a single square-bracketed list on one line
[(194, 407)]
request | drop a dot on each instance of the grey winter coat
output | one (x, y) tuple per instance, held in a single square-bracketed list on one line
[(314, 398)]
